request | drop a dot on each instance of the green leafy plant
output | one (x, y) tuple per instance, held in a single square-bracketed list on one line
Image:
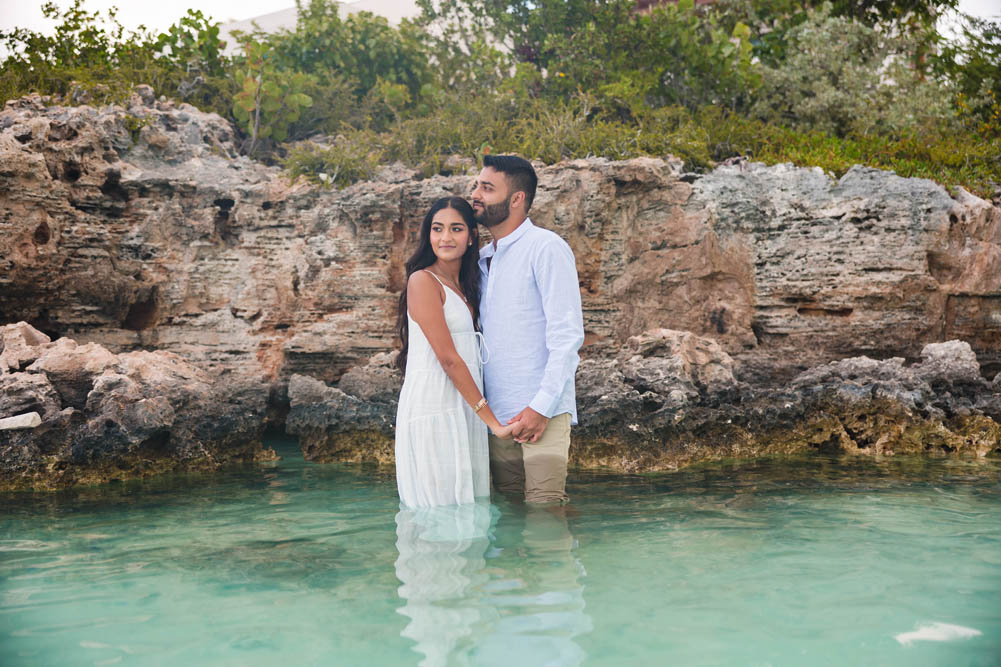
[(362, 47), (85, 52), (675, 54), (269, 100), (193, 43)]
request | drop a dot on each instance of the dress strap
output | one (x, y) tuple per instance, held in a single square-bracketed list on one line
[(481, 348), (443, 285), (435, 276)]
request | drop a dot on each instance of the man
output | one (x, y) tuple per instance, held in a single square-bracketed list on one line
[(532, 324)]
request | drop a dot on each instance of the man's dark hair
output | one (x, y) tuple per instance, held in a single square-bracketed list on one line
[(519, 173)]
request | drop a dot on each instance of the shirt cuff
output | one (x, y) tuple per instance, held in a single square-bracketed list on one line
[(544, 404)]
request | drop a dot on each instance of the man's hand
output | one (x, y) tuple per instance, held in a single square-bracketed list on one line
[(528, 425)]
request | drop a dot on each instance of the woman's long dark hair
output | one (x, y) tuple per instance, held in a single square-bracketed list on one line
[(423, 257)]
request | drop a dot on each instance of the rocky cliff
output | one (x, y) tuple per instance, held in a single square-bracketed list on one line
[(141, 228)]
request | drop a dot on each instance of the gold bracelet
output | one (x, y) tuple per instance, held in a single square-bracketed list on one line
[(479, 406)]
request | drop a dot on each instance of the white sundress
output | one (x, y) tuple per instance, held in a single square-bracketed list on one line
[(441, 443)]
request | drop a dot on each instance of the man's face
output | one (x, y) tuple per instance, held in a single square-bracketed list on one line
[(491, 198)]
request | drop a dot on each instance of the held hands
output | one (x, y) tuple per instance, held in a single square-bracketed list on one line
[(502, 432), (527, 425)]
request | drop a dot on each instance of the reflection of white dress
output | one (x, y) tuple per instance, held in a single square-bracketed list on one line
[(441, 569), (441, 444)]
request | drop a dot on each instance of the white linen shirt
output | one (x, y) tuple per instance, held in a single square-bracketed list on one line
[(532, 323)]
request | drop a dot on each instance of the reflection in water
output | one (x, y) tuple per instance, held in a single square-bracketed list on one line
[(441, 563), (489, 587)]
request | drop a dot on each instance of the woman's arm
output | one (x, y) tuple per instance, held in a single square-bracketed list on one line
[(425, 301)]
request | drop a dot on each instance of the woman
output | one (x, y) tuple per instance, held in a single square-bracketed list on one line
[(442, 419)]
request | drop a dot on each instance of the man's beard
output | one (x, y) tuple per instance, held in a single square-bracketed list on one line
[(494, 214)]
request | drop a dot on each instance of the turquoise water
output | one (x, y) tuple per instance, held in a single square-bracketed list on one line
[(778, 562)]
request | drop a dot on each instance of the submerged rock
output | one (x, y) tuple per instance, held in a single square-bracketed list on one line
[(111, 417)]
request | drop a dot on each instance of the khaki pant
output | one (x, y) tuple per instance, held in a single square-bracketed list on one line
[(537, 469)]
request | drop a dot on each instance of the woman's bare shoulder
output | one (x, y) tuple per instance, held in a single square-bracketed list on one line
[(422, 283)]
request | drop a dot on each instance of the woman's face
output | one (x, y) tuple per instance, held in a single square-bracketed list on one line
[(449, 235)]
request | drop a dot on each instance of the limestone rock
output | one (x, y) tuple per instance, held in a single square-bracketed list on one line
[(858, 405), (333, 425), (397, 172), (106, 416), (164, 238), (71, 368), (20, 344), (146, 95), (664, 360), (28, 392), (377, 381), (949, 362), (606, 401)]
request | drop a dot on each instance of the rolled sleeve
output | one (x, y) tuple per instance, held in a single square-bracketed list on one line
[(556, 276)]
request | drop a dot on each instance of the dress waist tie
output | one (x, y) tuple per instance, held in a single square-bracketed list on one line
[(482, 348), (481, 345)]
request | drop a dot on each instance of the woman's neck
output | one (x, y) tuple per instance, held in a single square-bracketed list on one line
[(448, 269)]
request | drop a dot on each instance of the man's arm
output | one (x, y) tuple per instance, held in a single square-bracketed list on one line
[(556, 276)]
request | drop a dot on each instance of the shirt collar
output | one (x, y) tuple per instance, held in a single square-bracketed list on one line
[(521, 230)]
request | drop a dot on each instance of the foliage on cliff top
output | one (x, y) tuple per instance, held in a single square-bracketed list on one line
[(93, 54), (573, 78), (567, 130)]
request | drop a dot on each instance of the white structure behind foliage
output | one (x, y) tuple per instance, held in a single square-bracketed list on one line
[(393, 10)]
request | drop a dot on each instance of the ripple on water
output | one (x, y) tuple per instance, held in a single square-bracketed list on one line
[(27, 545)]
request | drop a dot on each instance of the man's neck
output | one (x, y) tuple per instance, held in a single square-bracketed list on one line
[(505, 228)]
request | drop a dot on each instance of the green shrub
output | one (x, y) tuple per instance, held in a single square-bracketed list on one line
[(360, 47), (701, 138), (950, 157), (870, 86), (88, 52), (270, 100), (675, 54), (350, 158), (334, 106)]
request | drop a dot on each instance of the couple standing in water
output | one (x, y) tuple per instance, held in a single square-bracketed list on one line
[(490, 339)]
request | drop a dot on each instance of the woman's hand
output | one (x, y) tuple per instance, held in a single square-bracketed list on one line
[(502, 432)]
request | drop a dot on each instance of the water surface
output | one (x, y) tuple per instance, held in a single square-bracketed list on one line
[(779, 562)]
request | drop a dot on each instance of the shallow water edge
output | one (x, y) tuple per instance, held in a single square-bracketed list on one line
[(783, 560)]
